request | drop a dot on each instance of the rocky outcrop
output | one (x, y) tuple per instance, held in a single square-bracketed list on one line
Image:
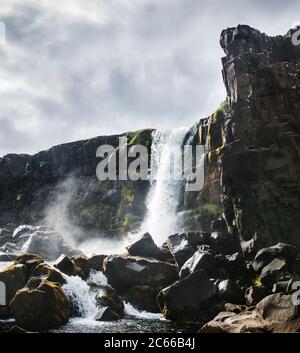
[(260, 154), (187, 300), (42, 306), (124, 272)]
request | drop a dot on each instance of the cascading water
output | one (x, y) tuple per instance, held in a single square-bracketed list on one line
[(163, 198)]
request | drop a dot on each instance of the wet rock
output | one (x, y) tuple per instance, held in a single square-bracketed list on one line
[(31, 261), (40, 308), (254, 295), (7, 257), (273, 272), (246, 322), (196, 239), (108, 297), (96, 262), (67, 266), (14, 277), (279, 251), (187, 300), (125, 272), (278, 307), (229, 291), (145, 247), (199, 261), (83, 264), (46, 271), (106, 314), (179, 248), (143, 298), (221, 241)]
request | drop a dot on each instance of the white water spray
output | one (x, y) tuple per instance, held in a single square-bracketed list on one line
[(163, 198)]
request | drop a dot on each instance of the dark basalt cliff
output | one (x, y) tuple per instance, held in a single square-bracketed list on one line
[(252, 162), (260, 152)]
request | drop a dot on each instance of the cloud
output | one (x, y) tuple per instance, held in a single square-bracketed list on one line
[(75, 69)]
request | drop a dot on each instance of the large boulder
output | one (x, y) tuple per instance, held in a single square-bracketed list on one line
[(188, 300), (229, 291), (221, 241), (180, 248), (48, 272), (143, 298), (278, 307), (254, 295), (124, 272), (145, 247), (106, 314), (108, 297), (199, 261), (96, 262), (14, 278), (68, 266), (271, 273), (43, 241), (279, 251), (31, 261), (83, 263), (40, 308)]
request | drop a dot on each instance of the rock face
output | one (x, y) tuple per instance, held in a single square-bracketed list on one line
[(260, 160), (108, 297), (125, 272), (143, 298), (187, 300), (30, 184), (43, 307), (145, 247)]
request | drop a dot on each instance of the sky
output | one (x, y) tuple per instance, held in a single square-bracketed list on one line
[(74, 69)]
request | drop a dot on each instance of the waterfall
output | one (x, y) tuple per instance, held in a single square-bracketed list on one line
[(163, 198), (81, 295)]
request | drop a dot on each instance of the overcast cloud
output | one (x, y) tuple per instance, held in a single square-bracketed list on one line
[(74, 69)]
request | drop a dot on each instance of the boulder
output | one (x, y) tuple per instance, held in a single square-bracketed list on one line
[(280, 251), (14, 278), (40, 308), (273, 272), (229, 291), (196, 239), (278, 307), (67, 266), (145, 247), (108, 297), (106, 314), (82, 262), (7, 257), (46, 271), (245, 322), (180, 248), (143, 298), (96, 262), (188, 300), (31, 261), (254, 295), (199, 261), (124, 272)]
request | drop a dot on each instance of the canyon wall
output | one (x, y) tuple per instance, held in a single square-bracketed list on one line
[(252, 164)]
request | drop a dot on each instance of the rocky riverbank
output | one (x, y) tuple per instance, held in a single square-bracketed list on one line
[(192, 278)]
